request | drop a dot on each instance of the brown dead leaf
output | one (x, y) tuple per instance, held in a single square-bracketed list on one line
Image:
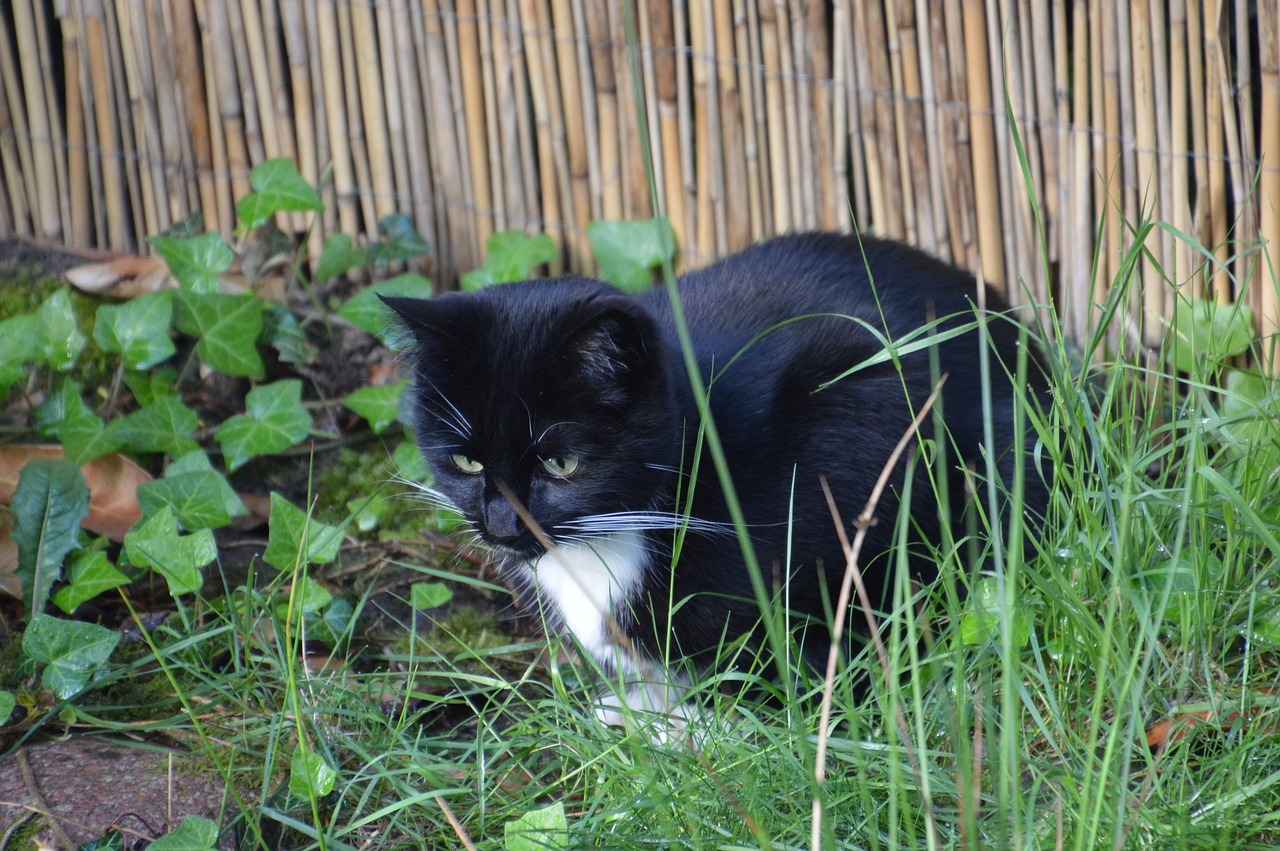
[(9, 582), (123, 277), (113, 486)]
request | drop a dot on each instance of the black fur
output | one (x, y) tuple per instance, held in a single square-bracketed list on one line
[(572, 367)]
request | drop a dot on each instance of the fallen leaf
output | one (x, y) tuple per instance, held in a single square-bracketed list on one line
[(113, 483), (123, 277), (9, 581)]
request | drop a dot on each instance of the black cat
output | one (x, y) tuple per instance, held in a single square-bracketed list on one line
[(572, 398)]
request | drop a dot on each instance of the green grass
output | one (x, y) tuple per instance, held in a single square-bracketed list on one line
[(1151, 596)]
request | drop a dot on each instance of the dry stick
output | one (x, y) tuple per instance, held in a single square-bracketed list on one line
[(377, 105), (387, 18), (709, 213), (140, 76), (794, 115), (914, 146), (982, 132), (355, 129), (523, 128), (842, 133), (1109, 170), (499, 180), (135, 227), (32, 126), (734, 208), (951, 86), (831, 190), (926, 59), (1269, 189), (1147, 186), (458, 829), (889, 163), (853, 579), (606, 95), (582, 49), (1080, 229), (748, 92), (1216, 214), (293, 26), (562, 172), (775, 122), (33, 789), (1164, 131), (1001, 88), (570, 123), (1245, 158), (79, 194), (542, 136), (473, 113), (329, 62), (662, 37), (1052, 172), (1181, 174), (15, 141)]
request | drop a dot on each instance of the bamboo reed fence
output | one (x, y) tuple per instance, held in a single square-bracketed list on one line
[(121, 117)]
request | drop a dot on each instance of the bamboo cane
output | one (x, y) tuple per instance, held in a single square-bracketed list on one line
[(1146, 182), (706, 193), (982, 133), (357, 139), (750, 84), (386, 19), (473, 113), (15, 145), (606, 95), (42, 183), (1178, 117), (570, 123), (1217, 213), (377, 108), (1268, 301)]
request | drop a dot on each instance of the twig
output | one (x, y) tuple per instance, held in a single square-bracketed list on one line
[(461, 831), (33, 788), (853, 577)]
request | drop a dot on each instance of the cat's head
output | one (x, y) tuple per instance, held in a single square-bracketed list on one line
[(553, 393)]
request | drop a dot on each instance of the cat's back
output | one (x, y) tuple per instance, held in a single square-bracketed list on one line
[(880, 281)]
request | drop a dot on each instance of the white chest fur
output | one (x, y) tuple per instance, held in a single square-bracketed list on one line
[(587, 583)]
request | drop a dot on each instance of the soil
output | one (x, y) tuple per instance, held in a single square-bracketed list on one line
[(90, 784)]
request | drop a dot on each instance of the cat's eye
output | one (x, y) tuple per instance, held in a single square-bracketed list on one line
[(466, 463), (560, 466)]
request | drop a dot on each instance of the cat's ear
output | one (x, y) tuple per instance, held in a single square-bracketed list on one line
[(427, 319), (609, 353)]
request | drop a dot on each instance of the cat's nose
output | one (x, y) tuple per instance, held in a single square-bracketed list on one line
[(502, 524)]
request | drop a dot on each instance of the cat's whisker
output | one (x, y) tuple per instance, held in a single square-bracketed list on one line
[(643, 521)]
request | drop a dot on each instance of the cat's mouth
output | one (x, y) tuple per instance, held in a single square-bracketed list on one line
[(524, 545)]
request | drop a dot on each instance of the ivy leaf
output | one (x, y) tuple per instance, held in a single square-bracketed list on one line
[(154, 543), (151, 385), (7, 703), (292, 533), (277, 188), (227, 327), (339, 257), (17, 349), (137, 330), (274, 420), (429, 595), (195, 261), (165, 425), (400, 240), (282, 331), (71, 651), (982, 621), (1207, 331), (542, 829), (365, 310), (196, 833), (89, 573), (49, 502), (310, 777), (407, 459), (510, 255), (628, 252), (81, 432), (378, 405), (198, 494), (58, 341)]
